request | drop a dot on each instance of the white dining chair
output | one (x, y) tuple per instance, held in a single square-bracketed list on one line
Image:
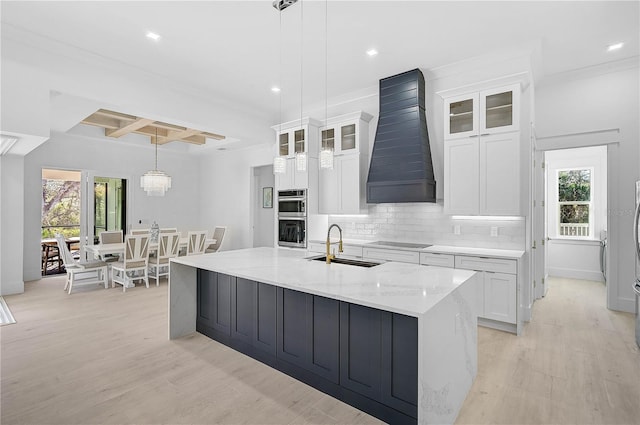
[(196, 242), (218, 234), (168, 245), (81, 272), (135, 260)]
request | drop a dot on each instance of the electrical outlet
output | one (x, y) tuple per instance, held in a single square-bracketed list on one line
[(494, 231), (456, 229)]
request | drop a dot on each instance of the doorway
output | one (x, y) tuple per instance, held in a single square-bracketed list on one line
[(263, 206), (576, 212), (78, 211), (608, 140)]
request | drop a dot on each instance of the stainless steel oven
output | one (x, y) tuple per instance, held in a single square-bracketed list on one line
[(292, 218)]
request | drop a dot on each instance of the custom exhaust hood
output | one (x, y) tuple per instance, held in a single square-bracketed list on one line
[(401, 168)]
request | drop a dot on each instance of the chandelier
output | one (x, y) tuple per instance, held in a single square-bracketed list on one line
[(155, 182)]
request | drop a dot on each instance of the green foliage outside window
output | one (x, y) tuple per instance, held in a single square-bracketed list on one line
[(574, 195), (60, 208)]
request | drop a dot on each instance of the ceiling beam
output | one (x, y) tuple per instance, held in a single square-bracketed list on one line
[(177, 135), (128, 127)]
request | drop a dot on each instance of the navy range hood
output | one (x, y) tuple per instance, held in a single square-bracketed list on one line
[(401, 168)]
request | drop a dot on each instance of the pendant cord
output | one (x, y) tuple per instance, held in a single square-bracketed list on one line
[(301, 61), (156, 149), (326, 61), (280, 84)]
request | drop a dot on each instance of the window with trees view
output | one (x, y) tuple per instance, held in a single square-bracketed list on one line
[(60, 208), (575, 203)]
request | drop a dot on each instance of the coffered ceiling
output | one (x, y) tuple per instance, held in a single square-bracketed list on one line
[(117, 124)]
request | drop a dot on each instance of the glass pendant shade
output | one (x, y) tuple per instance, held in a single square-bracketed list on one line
[(326, 158), (279, 165), (155, 182), (301, 161)]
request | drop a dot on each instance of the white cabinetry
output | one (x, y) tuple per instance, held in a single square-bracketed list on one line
[(342, 188), (391, 255), (297, 143), (497, 292), (436, 259), (482, 152)]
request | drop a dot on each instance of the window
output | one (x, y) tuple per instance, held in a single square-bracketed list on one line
[(575, 203)]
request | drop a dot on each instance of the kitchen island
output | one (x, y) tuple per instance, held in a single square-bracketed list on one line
[(398, 341)]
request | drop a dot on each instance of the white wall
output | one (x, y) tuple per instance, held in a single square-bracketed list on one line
[(263, 218), (178, 208), (574, 259), (12, 223), (581, 105), (226, 197)]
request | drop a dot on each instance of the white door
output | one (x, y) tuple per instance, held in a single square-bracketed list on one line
[(349, 184), (500, 174), (461, 176), (539, 233), (500, 297)]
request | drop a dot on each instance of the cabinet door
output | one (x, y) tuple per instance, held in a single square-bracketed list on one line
[(284, 181), (328, 193), (461, 167), (299, 141), (500, 110), (291, 313), (214, 300), (461, 116), (500, 174), (400, 362), (399, 255), (348, 138), (242, 309), (264, 330), (349, 184), (360, 350), (500, 301), (437, 259), (323, 337)]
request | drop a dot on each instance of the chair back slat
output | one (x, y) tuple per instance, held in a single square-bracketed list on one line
[(169, 230), (140, 231), (218, 235), (67, 258), (196, 242), (168, 246), (136, 248)]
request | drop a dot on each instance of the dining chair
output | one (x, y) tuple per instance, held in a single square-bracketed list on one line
[(50, 255), (196, 242), (135, 260), (168, 245), (97, 270), (218, 234), (109, 237)]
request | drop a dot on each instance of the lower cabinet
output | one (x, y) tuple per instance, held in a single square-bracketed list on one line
[(360, 355)]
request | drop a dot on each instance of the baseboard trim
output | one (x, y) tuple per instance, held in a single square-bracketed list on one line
[(576, 274)]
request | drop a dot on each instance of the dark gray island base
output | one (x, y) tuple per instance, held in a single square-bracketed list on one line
[(398, 341), (366, 357)]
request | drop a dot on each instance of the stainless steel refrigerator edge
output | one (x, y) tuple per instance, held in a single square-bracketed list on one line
[(636, 241)]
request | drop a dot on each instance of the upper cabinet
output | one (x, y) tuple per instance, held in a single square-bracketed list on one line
[(482, 113), (342, 188), (482, 155), (293, 138)]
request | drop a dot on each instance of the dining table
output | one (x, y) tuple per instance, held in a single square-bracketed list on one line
[(101, 250)]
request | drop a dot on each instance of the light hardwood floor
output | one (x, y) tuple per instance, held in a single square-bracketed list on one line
[(102, 356)]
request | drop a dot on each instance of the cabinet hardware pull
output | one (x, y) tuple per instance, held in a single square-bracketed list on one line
[(485, 134), (474, 135)]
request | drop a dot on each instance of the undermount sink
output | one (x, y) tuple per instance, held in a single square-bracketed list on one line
[(347, 261)]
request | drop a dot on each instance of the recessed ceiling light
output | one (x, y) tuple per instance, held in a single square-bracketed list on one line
[(275, 89), (372, 52), (615, 47), (153, 36)]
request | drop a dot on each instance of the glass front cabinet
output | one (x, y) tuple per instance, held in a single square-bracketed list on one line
[(482, 113), (294, 138)]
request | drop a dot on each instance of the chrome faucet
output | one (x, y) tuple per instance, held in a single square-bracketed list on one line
[(329, 255)]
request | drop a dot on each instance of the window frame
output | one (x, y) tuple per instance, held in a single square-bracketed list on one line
[(590, 203)]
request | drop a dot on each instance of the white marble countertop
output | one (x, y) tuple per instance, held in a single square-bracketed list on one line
[(409, 289)]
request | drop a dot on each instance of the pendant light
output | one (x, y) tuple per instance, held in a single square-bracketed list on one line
[(155, 182), (326, 153), (280, 162), (301, 157)]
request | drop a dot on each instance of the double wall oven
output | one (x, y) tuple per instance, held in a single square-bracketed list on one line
[(292, 218)]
